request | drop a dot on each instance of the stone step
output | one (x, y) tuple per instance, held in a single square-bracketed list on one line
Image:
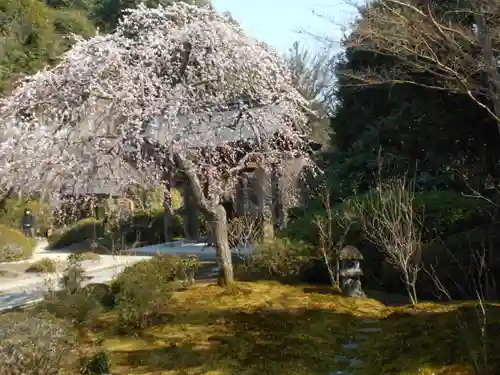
[(351, 346), (370, 321), (341, 358), (356, 362), (369, 329), (361, 337)]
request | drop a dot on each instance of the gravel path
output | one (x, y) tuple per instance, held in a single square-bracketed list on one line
[(24, 289)]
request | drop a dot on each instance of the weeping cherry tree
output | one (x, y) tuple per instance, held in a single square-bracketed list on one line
[(219, 99)]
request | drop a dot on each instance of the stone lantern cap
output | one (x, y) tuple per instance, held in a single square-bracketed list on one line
[(350, 253)]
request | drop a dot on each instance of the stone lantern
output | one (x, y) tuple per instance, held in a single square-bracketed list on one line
[(351, 272)]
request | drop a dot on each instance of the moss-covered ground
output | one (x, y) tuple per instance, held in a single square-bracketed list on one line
[(265, 328)]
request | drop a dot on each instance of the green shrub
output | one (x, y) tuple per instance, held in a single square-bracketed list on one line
[(84, 230), (143, 290), (74, 276), (447, 213), (73, 302), (45, 265), (152, 199), (33, 345), (280, 258), (13, 211), (147, 227), (301, 225), (14, 245), (98, 364), (79, 308), (102, 293)]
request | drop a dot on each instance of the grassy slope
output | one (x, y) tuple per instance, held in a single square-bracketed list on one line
[(268, 328)]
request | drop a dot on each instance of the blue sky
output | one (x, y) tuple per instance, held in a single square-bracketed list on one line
[(278, 22)]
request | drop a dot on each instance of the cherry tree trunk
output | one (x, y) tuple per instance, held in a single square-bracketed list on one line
[(220, 232), (217, 217)]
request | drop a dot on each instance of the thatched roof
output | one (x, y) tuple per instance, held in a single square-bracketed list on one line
[(192, 131), (201, 130)]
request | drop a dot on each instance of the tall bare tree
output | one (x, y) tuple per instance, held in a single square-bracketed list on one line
[(453, 42)]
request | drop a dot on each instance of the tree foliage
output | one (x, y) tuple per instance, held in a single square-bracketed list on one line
[(314, 77), (220, 99), (106, 14), (32, 35), (35, 33), (445, 136)]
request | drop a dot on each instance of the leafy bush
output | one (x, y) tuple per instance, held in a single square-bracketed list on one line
[(79, 308), (74, 276), (144, 289), (73, 302), (102, 293), (34, 345), (45, 265), (14, 245), (98, 364), (280, 258), (84, 230), (152, 199), (447, 213), (301, 225), (13, 211), (147, 227), (444, 212)]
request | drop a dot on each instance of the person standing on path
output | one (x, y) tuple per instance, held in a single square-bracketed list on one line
[(28, 224)]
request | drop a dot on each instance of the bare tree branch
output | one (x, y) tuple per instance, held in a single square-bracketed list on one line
[(457, 48)]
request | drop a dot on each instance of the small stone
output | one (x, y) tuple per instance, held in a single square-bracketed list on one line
[(355, 362), (341, 358), (370, 329), (351, 346), (361, 337)]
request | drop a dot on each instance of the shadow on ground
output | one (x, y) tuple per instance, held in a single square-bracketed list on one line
[(301, 333), (413, 341), (240, 342)]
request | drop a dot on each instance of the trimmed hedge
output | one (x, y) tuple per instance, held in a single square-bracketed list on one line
[(144, 227), (84, 230), (147, 228), (14, 245)]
